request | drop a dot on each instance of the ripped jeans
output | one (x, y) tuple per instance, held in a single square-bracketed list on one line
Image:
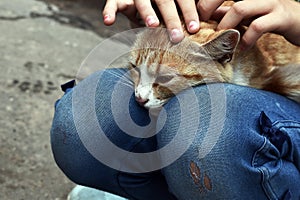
[(216, 141)]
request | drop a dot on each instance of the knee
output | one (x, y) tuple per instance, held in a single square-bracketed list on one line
[(69, 152), (64, 142)]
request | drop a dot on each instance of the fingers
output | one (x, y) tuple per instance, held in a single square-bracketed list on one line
[(167, 9), (243, 10), (207, 8), (169, 14), (220, 12), (190, 14), (113, 6), (109, 12), (171, 18), (257, 28), (147, 13), (131, 13)]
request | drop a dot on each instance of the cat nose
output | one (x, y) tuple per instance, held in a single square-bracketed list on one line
[(141, 100)]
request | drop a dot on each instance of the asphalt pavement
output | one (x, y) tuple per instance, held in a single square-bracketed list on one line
[(42, 45)]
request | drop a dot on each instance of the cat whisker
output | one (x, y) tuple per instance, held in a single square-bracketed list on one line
[(125, 78), (120, 74), (126, 84)]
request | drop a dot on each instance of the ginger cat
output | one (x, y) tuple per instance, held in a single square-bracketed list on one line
[(161, 69)]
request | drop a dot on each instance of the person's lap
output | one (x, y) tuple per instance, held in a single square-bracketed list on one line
[(255, 156), (225, 152)]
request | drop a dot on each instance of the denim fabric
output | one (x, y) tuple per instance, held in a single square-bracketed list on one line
[(78, 163), (246, 143), (255, 157)]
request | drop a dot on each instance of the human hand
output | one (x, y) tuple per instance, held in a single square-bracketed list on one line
[(278, 16), (167, 9), (170, 16)]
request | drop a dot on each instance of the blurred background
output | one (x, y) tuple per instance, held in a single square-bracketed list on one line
[(42, 44)]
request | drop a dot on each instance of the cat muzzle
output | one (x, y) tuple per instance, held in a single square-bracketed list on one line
[(141, 101)]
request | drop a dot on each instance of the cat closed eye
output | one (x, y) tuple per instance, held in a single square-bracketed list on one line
[(164, 79)]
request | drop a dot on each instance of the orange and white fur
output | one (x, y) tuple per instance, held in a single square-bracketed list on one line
[(161, 69)]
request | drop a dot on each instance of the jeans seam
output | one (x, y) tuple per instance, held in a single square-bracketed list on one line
[(123, 189), (286, 124), (263, 146), (120, 173), (271, 195), (265, 176)]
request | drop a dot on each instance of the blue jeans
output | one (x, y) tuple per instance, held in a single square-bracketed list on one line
[(217, 141)]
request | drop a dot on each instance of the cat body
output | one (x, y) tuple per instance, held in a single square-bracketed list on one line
[(161, 69)]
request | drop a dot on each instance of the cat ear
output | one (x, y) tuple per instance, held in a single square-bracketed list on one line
[(223, 46)]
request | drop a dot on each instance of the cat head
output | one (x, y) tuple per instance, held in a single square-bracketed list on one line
[(161, 69)]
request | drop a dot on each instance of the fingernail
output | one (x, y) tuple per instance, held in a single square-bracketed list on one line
[(193, 26), (106, 17), (176, 35), (150, 20)]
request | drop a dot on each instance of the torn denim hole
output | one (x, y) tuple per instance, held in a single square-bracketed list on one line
[(200, 179)]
